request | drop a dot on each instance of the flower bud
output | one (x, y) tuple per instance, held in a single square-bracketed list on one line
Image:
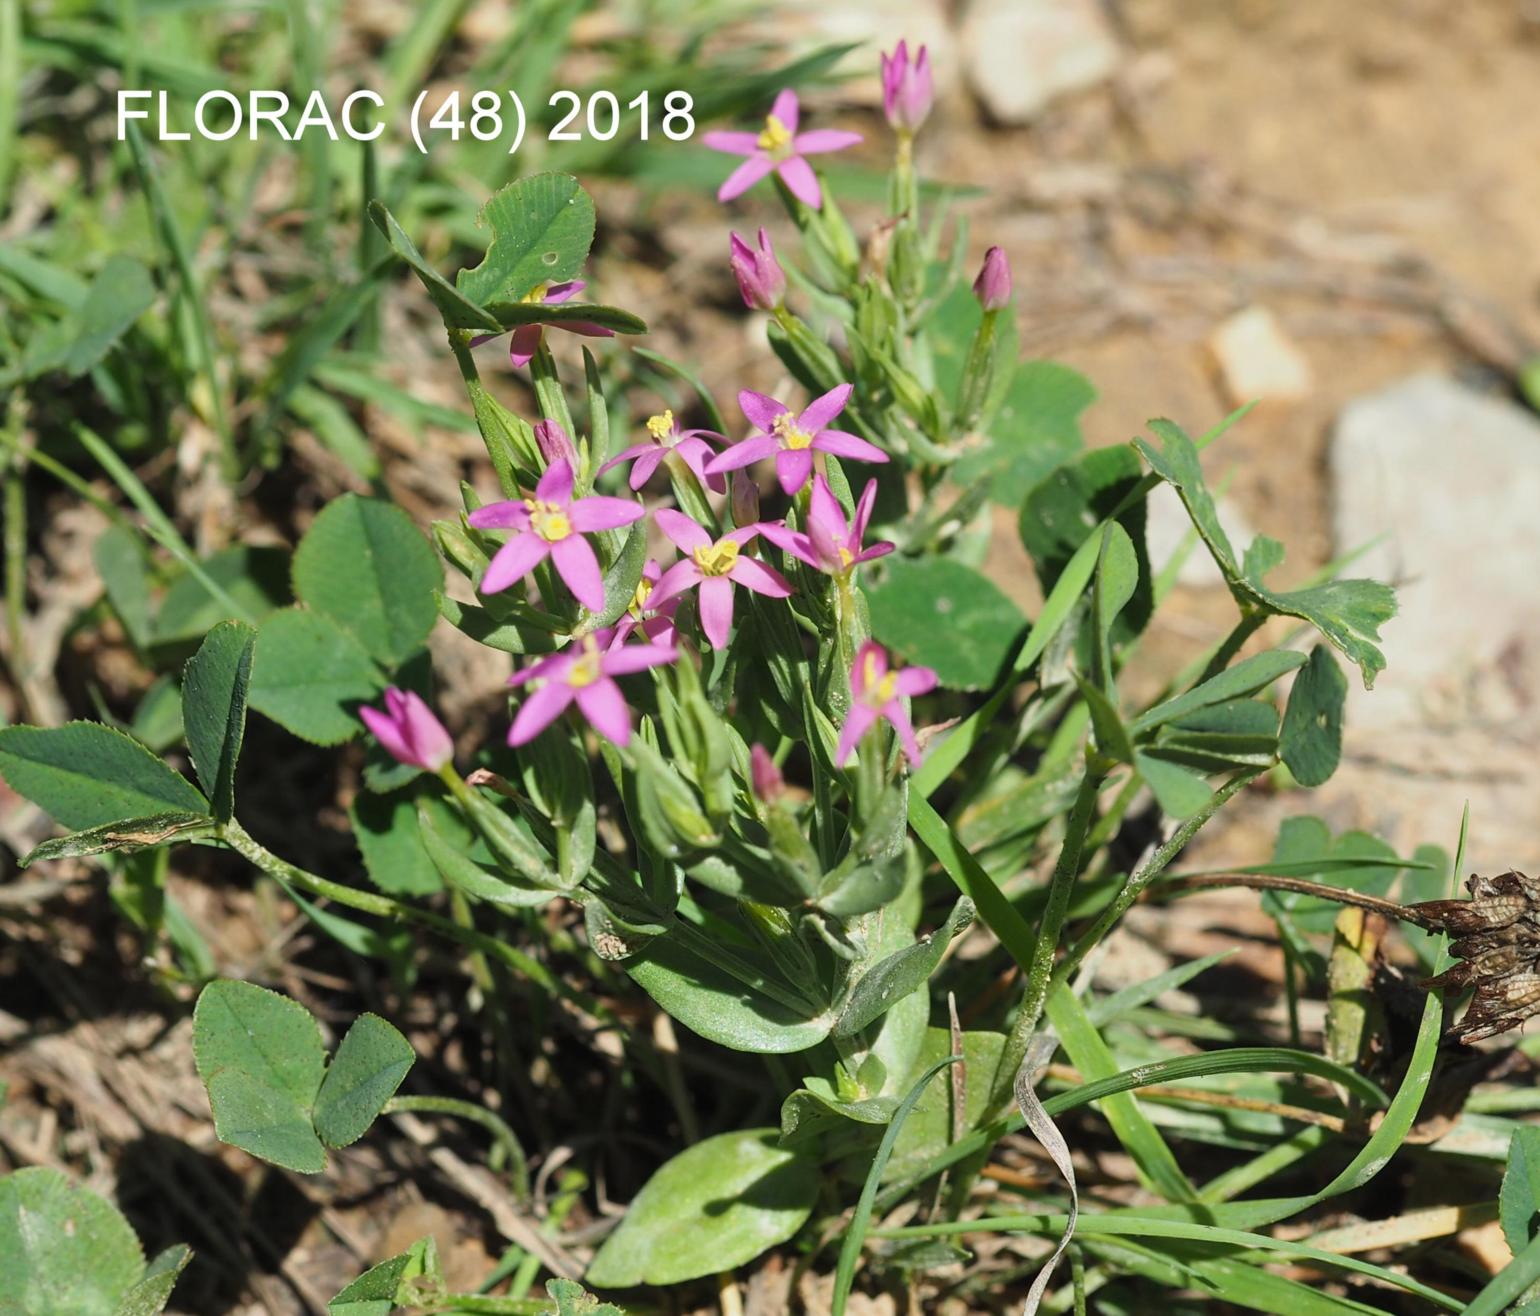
[(554, 442), (745, 499), (993, 286), (764, 776), (907, 88), (409, 731), (760, 277)]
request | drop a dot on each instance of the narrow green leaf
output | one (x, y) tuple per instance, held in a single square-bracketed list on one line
[(1245, 678), (1179, 792), (151, 1294), (125, 836), (893, 978), (458, 310), (84, 774), (214, 688)]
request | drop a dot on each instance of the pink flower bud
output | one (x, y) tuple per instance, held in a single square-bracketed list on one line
[(993, 286), (409, 731), (554, 442), (745, 499), (760, 277), (765, 777), (907, 89)]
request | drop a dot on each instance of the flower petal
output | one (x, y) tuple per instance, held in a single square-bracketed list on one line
[(760, 409), (821, 410), (864, 505), (523, 343), (857, 723), (600, 512), (880, 549), (790, 541), (731, 142), (802, 182), (743, 453), (556, 484), (894, 712), (715, 600), (645, 465), (511, 515), (537, 712), (627, 455), (823, 140), (561, 292), (579, 568), (842, 444), (685, 534), (787, 109), (695, 452), (384, 729), (793, 468), (673, 582), (585, 327), (870, 666), (914, 681), (604, 706), (637, 658), (753, 574), (744, 177), (824, 510), (513, 561)]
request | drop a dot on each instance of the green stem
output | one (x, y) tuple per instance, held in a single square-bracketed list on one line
[(1040, 972), (1232, 644), (978, 373), (505, 1137), (1156, 864), (367, 902)]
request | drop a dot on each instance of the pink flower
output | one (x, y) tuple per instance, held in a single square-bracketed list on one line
[(829, 543), (554, 442), (552, 524), (877, 693), (907, 90), (779, 147), (584, 672), (993, 285), (715, 566), (409, 731), (764, 776), (664, 437), (760, 277), (653, 618), (525, 340), (792, 439)]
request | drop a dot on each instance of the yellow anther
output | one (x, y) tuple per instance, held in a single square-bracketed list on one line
[(886, 689), (586, 670), (716, 559), (792, 437), (639, 598), (661, 426), (548, 520), (776, 138), (537, 293)]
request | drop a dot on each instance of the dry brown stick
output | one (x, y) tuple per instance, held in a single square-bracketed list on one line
[(1299, 886)]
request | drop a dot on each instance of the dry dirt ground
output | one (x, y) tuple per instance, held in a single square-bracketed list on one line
[(1366, 170)]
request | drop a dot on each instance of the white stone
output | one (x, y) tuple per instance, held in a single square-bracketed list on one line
[(1257, 359), (1019, 55), (1449, 480)]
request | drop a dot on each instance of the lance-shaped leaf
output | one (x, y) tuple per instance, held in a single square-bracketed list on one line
[(125, 836), (893, 978), (214, 689), (1245, 678), (84, 774), (458, 310)]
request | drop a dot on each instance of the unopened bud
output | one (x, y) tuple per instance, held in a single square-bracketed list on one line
[(745, 499), (993, 286)]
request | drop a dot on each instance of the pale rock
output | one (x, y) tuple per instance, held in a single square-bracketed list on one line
[(1257, 359), (1018, 55), (1448, 480), (1167, 524)]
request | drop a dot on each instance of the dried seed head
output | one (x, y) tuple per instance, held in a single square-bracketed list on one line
[(1497, 941)]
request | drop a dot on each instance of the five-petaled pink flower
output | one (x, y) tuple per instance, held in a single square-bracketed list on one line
[(664, 437), (907, 89), (714, 565), (584, 672), (828, 542), (792, 439), (409, 731), (877, 692), (779, 147), (525, 340), (552, 524), (654, 619)]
